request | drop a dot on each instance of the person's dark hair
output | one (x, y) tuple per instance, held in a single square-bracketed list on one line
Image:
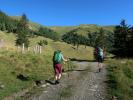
[(59, 50)]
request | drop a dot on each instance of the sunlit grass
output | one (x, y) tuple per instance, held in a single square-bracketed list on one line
[(34, 66), (121, 78)]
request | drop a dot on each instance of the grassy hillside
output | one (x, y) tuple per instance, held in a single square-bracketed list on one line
[(82, 29), (62, 29), (9, 40), (32, 66)]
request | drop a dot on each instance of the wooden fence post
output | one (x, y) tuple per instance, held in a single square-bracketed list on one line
[(23, 48), (28, 49), (40, 49)]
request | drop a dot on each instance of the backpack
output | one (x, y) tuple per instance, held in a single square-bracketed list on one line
[(57, 57), (99, 52)]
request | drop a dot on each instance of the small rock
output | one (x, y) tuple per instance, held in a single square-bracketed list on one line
[(47, 84), (2, 86), (92, 89), (44, 85), (123, 62), (38, 82), (114, 98), (45, 91), (64, 73), (95, 86)]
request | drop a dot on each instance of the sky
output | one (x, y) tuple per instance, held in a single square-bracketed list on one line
[(71, 12)]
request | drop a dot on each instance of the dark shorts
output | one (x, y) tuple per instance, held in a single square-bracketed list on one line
[(99, 59), (57, 68)]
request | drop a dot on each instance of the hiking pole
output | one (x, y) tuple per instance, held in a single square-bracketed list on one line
[(68, 69), (69, 66)]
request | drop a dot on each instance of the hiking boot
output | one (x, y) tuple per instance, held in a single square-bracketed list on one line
[(57, 82), (99, 69)]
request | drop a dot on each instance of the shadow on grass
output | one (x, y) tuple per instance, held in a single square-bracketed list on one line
[(112, 83), (117, 57), (22, 77)]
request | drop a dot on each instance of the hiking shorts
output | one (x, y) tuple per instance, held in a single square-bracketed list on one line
[(100, 59), (57, 69)]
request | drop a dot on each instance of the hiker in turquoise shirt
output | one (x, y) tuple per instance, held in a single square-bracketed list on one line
[(57, 59), (99, 54)]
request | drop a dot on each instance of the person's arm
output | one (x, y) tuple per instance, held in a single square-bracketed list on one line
[(64, 58)]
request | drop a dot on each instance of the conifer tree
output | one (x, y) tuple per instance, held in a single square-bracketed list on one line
[(22, 31)]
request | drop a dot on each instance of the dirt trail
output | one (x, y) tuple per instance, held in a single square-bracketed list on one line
[(84, 83), (92, 86)]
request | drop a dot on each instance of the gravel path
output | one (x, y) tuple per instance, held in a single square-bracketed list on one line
[(84, 83), (92, 86)]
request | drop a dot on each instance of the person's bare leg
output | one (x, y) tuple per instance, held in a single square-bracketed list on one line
[(56, 77), (99, 66), (59, 76)]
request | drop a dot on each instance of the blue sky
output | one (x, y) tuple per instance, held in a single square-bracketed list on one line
[(71, 12)]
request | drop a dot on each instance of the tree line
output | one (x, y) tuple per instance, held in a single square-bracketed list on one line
[(73, 38), (100, 38), (119, 42), (7, 23), (20, 27), (123, 40)]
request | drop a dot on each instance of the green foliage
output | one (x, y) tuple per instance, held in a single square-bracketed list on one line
[(48, 33), (102, 38), (120, 81), (22, 30), (73, 38), (128, 72), (7, 24), (43, 42), (123, 39)]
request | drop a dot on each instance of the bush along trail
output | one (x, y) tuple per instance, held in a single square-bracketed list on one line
[(84, 82)]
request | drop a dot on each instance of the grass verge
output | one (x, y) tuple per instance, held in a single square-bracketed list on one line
[(32, 67), (120, 74)]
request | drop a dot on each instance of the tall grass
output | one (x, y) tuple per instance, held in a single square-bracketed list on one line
[(34, 67), (120, 74)]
